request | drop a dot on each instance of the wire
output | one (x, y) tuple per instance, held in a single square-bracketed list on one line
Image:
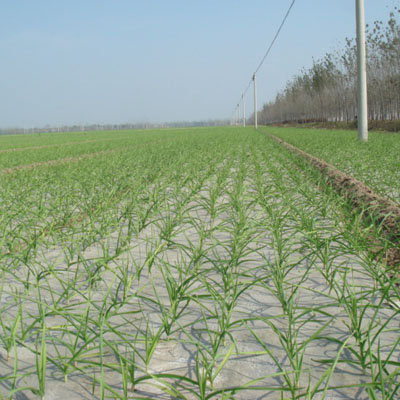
[(269, 49), (275, 37)]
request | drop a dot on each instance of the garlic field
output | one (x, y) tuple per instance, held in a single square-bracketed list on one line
[(204, 263)]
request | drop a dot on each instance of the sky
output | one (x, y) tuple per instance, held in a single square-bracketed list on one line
[(66, 62)]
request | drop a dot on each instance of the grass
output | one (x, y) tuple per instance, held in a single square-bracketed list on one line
[(376, 163), (198, 263)]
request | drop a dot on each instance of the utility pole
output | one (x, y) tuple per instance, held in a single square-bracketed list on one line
[(255, 100), (362, 117), (244, 110)]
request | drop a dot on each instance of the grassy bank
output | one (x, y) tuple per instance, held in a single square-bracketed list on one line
[(376, 163)]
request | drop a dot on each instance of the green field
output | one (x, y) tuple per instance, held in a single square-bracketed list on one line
[(376, 162), (203, 263)]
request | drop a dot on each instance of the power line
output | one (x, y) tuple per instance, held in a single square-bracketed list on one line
[(275, 37), (267, 52)]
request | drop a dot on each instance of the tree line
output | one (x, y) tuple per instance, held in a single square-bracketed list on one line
[(328, 90)]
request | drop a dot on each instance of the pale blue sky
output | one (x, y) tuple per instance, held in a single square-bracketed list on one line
[(117, 61)]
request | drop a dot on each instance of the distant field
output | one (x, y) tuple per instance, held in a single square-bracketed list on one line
[(190, 263), (27, 149), (376, 163)]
